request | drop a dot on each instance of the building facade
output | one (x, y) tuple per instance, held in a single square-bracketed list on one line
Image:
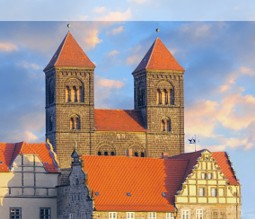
[(156, 125)]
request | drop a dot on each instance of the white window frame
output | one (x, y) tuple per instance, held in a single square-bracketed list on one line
[(214, 192), (130, 215), (44, 216), (201, 191), (169, 215), (152, 215), (13, 210), (199, 214), (112, 215), (185, 214), (209, 175), (203, 175)]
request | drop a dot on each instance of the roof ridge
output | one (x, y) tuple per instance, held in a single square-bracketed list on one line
[(153, 47), (61, 46)]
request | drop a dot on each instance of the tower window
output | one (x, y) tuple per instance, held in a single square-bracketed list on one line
[(171, 96), (159, 96), (166, 125), (75, 122), (74, 91)]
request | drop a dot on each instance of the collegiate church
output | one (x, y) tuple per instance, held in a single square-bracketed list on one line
[(127, 164)]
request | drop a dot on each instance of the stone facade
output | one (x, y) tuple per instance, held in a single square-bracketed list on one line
[(74, 199), (158, 95)]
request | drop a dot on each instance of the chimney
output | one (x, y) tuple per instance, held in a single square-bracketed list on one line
[(129, 152)]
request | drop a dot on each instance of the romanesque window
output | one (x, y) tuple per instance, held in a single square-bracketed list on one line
[(75, 122), (137, 151), (166, 125), (106, 151), (74, 91), (165, 94)]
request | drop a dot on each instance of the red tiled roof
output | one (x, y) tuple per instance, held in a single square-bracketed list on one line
[(69, 54), (146, 179), (221, 159), (9, 152), (118, 120), (159, 57), (225, 166)]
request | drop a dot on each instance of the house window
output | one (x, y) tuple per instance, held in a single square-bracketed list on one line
[(130, 215), (209, 175), (152, 215), (202, 191), (169, 215), (15, 213), (45, 213), (112, 215), (203, 175), (185, 214), (199, 214), (214, 192), (71, 216)]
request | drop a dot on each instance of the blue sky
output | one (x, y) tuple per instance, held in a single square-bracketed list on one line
[(219, 79)]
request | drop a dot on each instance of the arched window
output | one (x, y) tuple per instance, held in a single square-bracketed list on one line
[(166, 96), (159, 96), (74, 90), (137, 151), (51, 91), (166, 125), (75, 122), (172, 96), (106, 151), (68, 94)]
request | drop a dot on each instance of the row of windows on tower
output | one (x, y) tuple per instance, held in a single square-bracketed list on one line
[(165, 96), (74, 94)]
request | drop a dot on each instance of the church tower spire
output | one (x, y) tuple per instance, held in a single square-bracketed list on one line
[(158, 93), (69, 99)]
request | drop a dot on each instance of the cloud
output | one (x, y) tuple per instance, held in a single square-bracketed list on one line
[(113, 53), (117, 15), (116, 30), (138, 1), (100, 10), (107, 83), (28, 65), (91, 38), (8, 47)]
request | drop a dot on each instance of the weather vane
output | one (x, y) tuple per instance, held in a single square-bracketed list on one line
[(157, 30), (193, 141), (68, 26)]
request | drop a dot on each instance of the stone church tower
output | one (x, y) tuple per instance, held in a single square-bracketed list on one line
[(155, 126), (69, 99), (158, 93)]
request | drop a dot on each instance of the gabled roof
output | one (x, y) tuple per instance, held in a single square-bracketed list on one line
[(133, 183), (221, 159), (9, 152), (159, 57), (69, 54), (118, 120)]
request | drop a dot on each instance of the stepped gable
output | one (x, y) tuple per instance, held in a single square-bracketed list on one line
[(221, 159), (158, 58), (9, 152), (118, 120), (133, 183), (224, 163), (70, 54)]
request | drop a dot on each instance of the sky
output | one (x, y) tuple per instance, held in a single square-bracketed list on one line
[(217, 50)]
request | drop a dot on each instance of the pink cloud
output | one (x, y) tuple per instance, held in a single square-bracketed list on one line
[(8, 47)]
